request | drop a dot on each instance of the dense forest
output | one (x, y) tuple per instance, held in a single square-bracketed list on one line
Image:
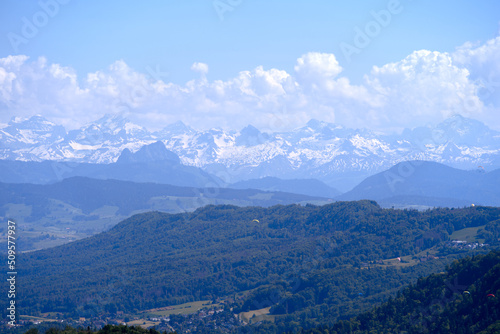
[(464, 300), (461, 300), (312, 265)]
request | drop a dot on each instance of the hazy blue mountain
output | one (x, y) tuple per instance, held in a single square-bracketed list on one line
[(78, 207), (152, 163), (156, 152), (251, 136), (174, 129), (309, 187), (90, 194), (458, 130), (434, 184)]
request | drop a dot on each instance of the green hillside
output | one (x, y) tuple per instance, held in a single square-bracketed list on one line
[(311, 265), (78, 207), (463, 300)]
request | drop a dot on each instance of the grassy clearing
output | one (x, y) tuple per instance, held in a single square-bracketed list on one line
[(143, 323), (41, 319), (408, 260), (186, 308), (467, 234), (257, 315)]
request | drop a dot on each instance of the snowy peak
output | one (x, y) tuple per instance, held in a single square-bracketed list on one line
[(321, 130), (109, 130), (318, 150), (175, 129), (461, 130), (33, 131), (314, 124), (117, 124), (456, 129), (34, 122)]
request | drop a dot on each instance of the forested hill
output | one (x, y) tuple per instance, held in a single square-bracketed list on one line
[(310, 259), (463, 300)]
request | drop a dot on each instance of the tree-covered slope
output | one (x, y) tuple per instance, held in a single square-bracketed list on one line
[(302, 255), (463, 300)]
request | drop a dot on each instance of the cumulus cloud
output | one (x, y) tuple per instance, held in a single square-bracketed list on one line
[(314, 67), (201, 68), (423, 87), (483, 63)]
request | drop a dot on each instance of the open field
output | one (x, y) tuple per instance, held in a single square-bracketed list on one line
[(40, 319), (256, 315), (467, 234), (143, 323), (186, 308)]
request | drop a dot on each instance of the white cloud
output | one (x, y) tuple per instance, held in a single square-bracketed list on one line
[(483, 63), (314, 67), (200, 67), (423, 87)]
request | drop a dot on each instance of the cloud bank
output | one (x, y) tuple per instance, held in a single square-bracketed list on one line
[(424, 87)]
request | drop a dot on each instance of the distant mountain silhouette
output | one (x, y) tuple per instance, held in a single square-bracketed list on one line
[(149, 153), (152, 163), (309, 187), (251, 136), (90, 194), (429, 183)]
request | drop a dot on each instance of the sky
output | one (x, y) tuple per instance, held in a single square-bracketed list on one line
[(383, 65)]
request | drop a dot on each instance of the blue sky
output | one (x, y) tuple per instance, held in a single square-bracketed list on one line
[(147, 42)]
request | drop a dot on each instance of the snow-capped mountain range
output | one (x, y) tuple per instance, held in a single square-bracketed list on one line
[(339, 156)]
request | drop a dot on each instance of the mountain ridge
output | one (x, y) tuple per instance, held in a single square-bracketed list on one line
[(431, 181), (325, 151)]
